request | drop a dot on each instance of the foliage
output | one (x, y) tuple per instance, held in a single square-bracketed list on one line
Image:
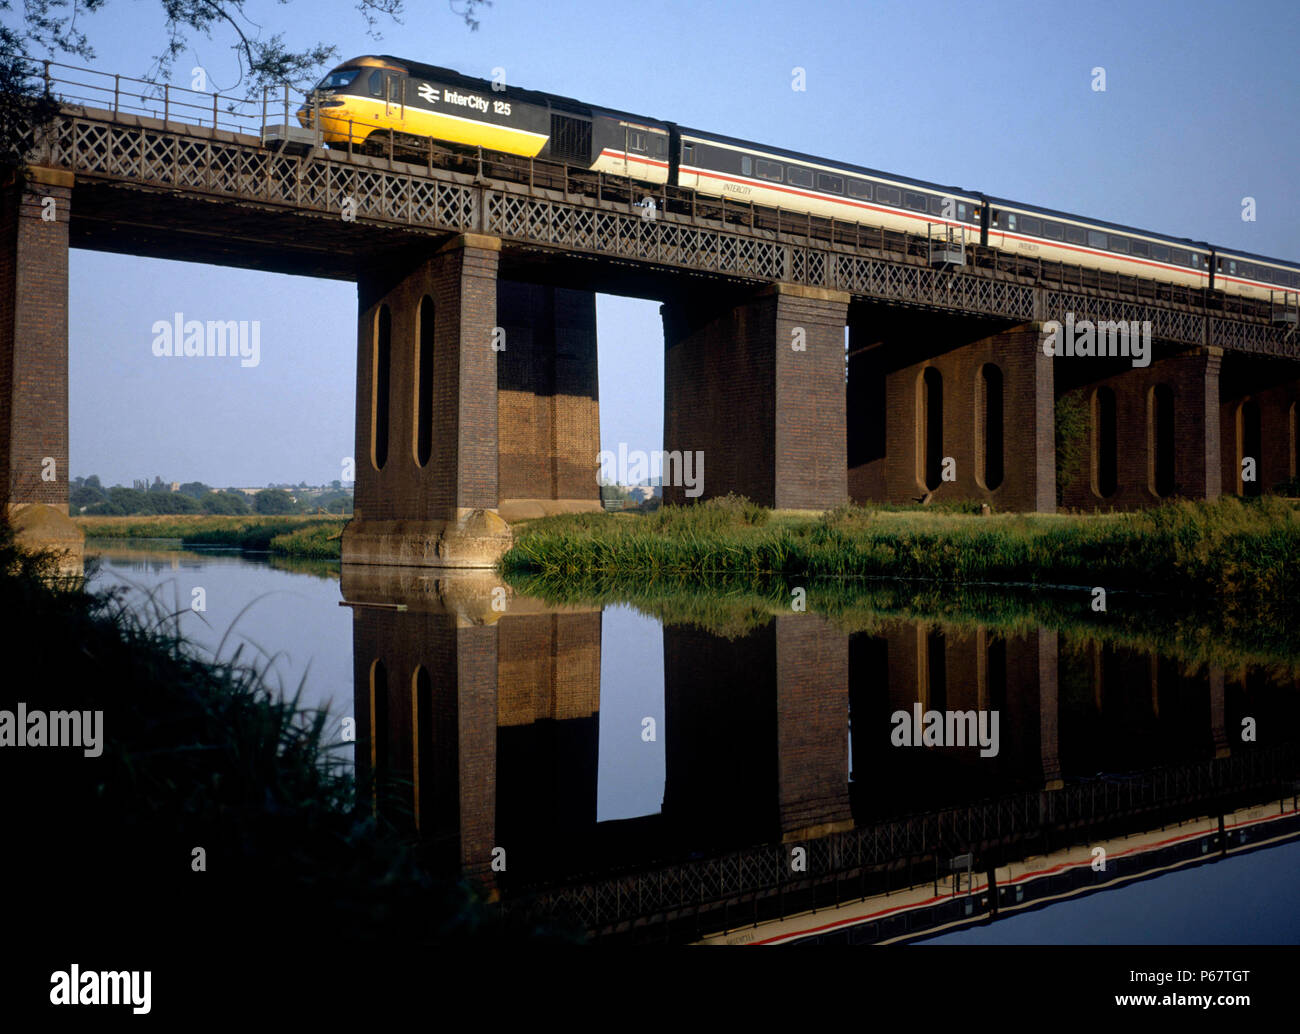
[(1071, 440), (274, 501), (1226, 548)]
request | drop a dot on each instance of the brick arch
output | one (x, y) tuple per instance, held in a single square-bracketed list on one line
[(422, 429), (1162, 475), (1249, 440), (381, 336), (929, 428), (1105, 443), (990, 427)]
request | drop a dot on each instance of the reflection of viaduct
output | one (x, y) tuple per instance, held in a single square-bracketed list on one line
[(489, 723), (458, 425)]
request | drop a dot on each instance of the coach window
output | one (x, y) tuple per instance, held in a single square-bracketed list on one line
[(1031, 226), (1232, 267), (860, 188), (1160, 253), (889, 195), (376, 83), (394, 90), (746, 165), (916, 202), (770, 171), (1011, 220), (830, 184), (799, 177), (1053, 230), (1179, 257), (1119, 244), (1141, 249), (1196, 261), (1096, 239), (961, 211), (688, 153), (1074, 234)]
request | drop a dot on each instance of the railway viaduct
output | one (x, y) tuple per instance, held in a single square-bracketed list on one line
[(476, 359)]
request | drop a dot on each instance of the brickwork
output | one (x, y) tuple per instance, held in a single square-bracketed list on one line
[(548, 393), (34, 339), (769, 418), (889, 461), (1273, 388), (462, 469), (812, 705), (549, 667), (1193, 380), (456, 774)]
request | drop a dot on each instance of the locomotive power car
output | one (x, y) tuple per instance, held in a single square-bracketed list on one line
[(382, 93)]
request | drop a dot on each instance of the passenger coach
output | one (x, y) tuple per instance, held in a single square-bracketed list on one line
[(383, 93)]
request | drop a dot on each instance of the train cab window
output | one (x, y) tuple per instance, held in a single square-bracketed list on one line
[(339, 78), (1074, 234), (1141, 249), (860, 188), (830, 184), (1053, 230), (376, 83), (1119, 244), (1096, 239), (1031, 225), (916, 202), (1160, 253), (746, 165), (889, 195), (773, 171), (799, 177)]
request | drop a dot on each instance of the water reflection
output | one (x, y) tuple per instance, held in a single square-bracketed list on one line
[(496, 722)]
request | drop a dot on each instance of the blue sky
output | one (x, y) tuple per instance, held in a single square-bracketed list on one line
[(1200, 111)]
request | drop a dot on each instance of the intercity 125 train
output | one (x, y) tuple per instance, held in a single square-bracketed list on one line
[(383, 93)]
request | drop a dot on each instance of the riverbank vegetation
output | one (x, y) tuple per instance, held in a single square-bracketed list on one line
[(1229, 548), (316, 537)]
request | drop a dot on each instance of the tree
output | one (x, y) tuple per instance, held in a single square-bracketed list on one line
[(225, 502), (48, 29), (274, 501), (194, 489)]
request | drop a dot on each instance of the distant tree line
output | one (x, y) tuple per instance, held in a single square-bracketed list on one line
[(89, 497)]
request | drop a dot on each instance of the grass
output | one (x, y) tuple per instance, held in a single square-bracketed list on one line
[(290, 535), (1220, 549)]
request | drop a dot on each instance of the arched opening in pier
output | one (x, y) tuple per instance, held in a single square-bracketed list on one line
[(381, 378), (424, 382), (1105, 465), (989, 426), (1160, 439), (1250, 462), (930, 421)]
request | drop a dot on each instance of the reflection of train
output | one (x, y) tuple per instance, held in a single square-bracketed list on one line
[(386, 93)]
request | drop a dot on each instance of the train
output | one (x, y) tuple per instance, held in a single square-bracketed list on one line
[(382, 93)]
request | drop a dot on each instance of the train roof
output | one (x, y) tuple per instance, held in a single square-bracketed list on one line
[(1234, 253), (1185, 242), (833, 163), (449, 75)]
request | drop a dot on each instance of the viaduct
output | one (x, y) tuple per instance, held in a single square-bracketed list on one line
[(477, 396)]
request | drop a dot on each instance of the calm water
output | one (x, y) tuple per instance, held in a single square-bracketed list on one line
[(609, 761)]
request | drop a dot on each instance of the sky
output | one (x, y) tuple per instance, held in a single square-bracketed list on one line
[(1199, 111)]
